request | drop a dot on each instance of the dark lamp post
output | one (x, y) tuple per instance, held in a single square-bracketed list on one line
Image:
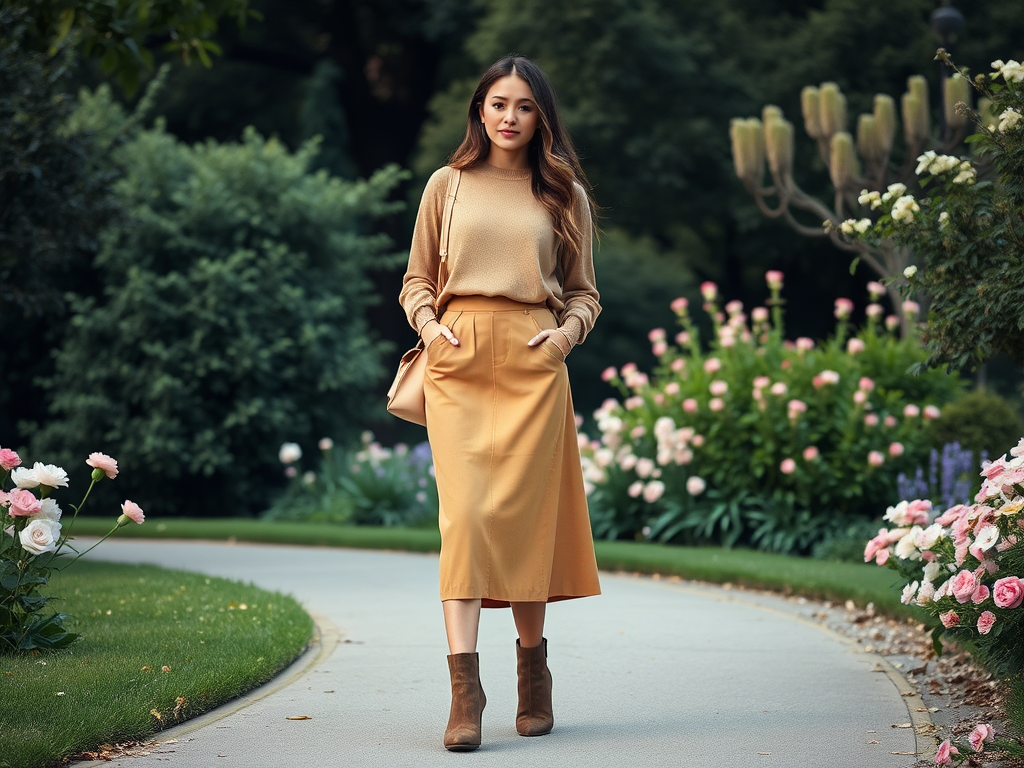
[(947, 23)]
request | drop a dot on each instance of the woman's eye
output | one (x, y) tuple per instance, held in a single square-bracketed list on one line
[(525, 109), (497, 106)]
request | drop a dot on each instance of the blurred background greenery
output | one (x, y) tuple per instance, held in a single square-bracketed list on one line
[(186, 281)]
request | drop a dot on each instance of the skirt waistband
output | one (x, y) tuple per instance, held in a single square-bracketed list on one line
[(490, 304)]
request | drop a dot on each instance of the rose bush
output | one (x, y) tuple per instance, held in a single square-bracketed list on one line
[(30, 547), (757, 440)]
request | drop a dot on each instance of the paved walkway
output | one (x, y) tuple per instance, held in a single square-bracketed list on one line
[(651, 673)]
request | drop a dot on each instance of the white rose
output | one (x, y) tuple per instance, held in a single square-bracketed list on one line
[(1009, 119), (23, 477), (910, 271), (943, 219), (695, 486), (897, 189), (41, 535), (653, 491), (289, 453), (987, 537), (50, 510), (932, 570), (908, 593), (50, 475), (927, 538), (906, 548), (862, 226), (926, 593)]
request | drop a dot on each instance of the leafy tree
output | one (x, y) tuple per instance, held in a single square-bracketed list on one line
[(232, 318), (122, 34)]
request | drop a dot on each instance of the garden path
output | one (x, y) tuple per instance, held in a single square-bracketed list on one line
[(652, 673)]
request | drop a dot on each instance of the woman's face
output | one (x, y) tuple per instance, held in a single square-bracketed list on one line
[(510, 118)]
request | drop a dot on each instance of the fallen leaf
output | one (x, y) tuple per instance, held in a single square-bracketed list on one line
[(909, 693), (165, 668), (156, 713), (903, 753), (299, 717), (874, 741), (902, 725)]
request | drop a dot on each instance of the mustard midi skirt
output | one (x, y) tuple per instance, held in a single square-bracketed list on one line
[(513, 511)]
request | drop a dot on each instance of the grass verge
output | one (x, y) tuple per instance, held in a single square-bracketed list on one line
[(790, 575), (158, 646)]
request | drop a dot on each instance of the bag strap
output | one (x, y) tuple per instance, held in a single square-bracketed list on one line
[(446, 225)]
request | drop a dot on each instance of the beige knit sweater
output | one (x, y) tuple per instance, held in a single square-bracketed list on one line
[(501, 243)]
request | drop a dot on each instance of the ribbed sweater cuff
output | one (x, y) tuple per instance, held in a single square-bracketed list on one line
[(423, 316)]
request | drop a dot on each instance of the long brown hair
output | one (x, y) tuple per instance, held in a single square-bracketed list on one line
[(552, 157)]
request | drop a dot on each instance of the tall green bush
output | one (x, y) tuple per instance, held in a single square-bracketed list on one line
[(232, 317)]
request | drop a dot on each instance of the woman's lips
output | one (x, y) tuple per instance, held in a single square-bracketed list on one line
[(509, 134)]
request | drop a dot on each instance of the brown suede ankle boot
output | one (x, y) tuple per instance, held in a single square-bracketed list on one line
[(534, 717), (468, 700)]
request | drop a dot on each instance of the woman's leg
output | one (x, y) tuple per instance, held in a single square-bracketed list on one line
[(529, 619), (462, 624)]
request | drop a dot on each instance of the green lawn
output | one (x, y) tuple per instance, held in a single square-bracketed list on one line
[(811, 578), (158, 646)]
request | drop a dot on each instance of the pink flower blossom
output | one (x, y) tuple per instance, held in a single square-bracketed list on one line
[(774, 279), (672, 388), (981, 594), (1008, 592), (896, 449), (944, 752), (874, 311), (983, 731), (653, 491), (659, 348), (949, 619), (760, 382), (659, 398), (811, 453), (678, 364), (911, 308), (609, 373), (892, 322), (855, 346), (911, 411), (860, 397), (709, 291), (796, 407), (787, 467), (690, 405), (889, 421), (290, 471), (289, 453), (718, 387), (656, 334), (635, 489), (695, 486), (876, 290), (871, 419), (876, 458), (628, 369), (734, 307), (679, 305), (638, 431), (104, 463), (716, 404), (844, 308), (327, 444), (931, 412), (683, 338), (712, 364), (23, 503), (9, 459), (698, 441), (865, 384), (759, 314), (804, 344), (779, 388), (964, 584), (133, 512), (632, 403)]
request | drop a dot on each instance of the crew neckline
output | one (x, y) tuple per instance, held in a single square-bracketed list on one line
[(504, 173)]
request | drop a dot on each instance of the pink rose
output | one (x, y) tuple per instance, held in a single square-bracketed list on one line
[(787, 467), (656, 334), (672, 388), (942, 754), (695, 486), (1008, 592), (759, 314), (896, 449), (982, 732), (892, 322), (712, 364), (804, 344), (689, 405), (130, 513), (716, 404), (811, 453), (964, 584), (889, 421), (844, 307), (949, 619), (678, 364), (871, 420), (911, 411), (876, 290), (774, 279), (876, 458), (981, 594), (718, 387), (985, 622), (9, 459), (855, 346), (103, 462), (609, 373), (659, 348), (911, 308), (874, 311), (679, 305), (23, 503), (931, 412), (865, 384), (882, 557), (683, 338)]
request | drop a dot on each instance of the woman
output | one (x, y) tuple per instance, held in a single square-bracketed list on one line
[(519, 293)]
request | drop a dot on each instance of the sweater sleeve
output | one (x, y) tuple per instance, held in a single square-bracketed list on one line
[(418, 296), (579, 284)]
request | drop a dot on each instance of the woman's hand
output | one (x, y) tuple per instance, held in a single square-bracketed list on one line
[(433, 329), (556, 337)]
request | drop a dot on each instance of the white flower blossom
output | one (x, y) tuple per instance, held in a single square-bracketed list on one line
[(943, 219), (910, 271), (862, 226), (1009, 120), (25, 478), (904, 209), (50, 475)]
